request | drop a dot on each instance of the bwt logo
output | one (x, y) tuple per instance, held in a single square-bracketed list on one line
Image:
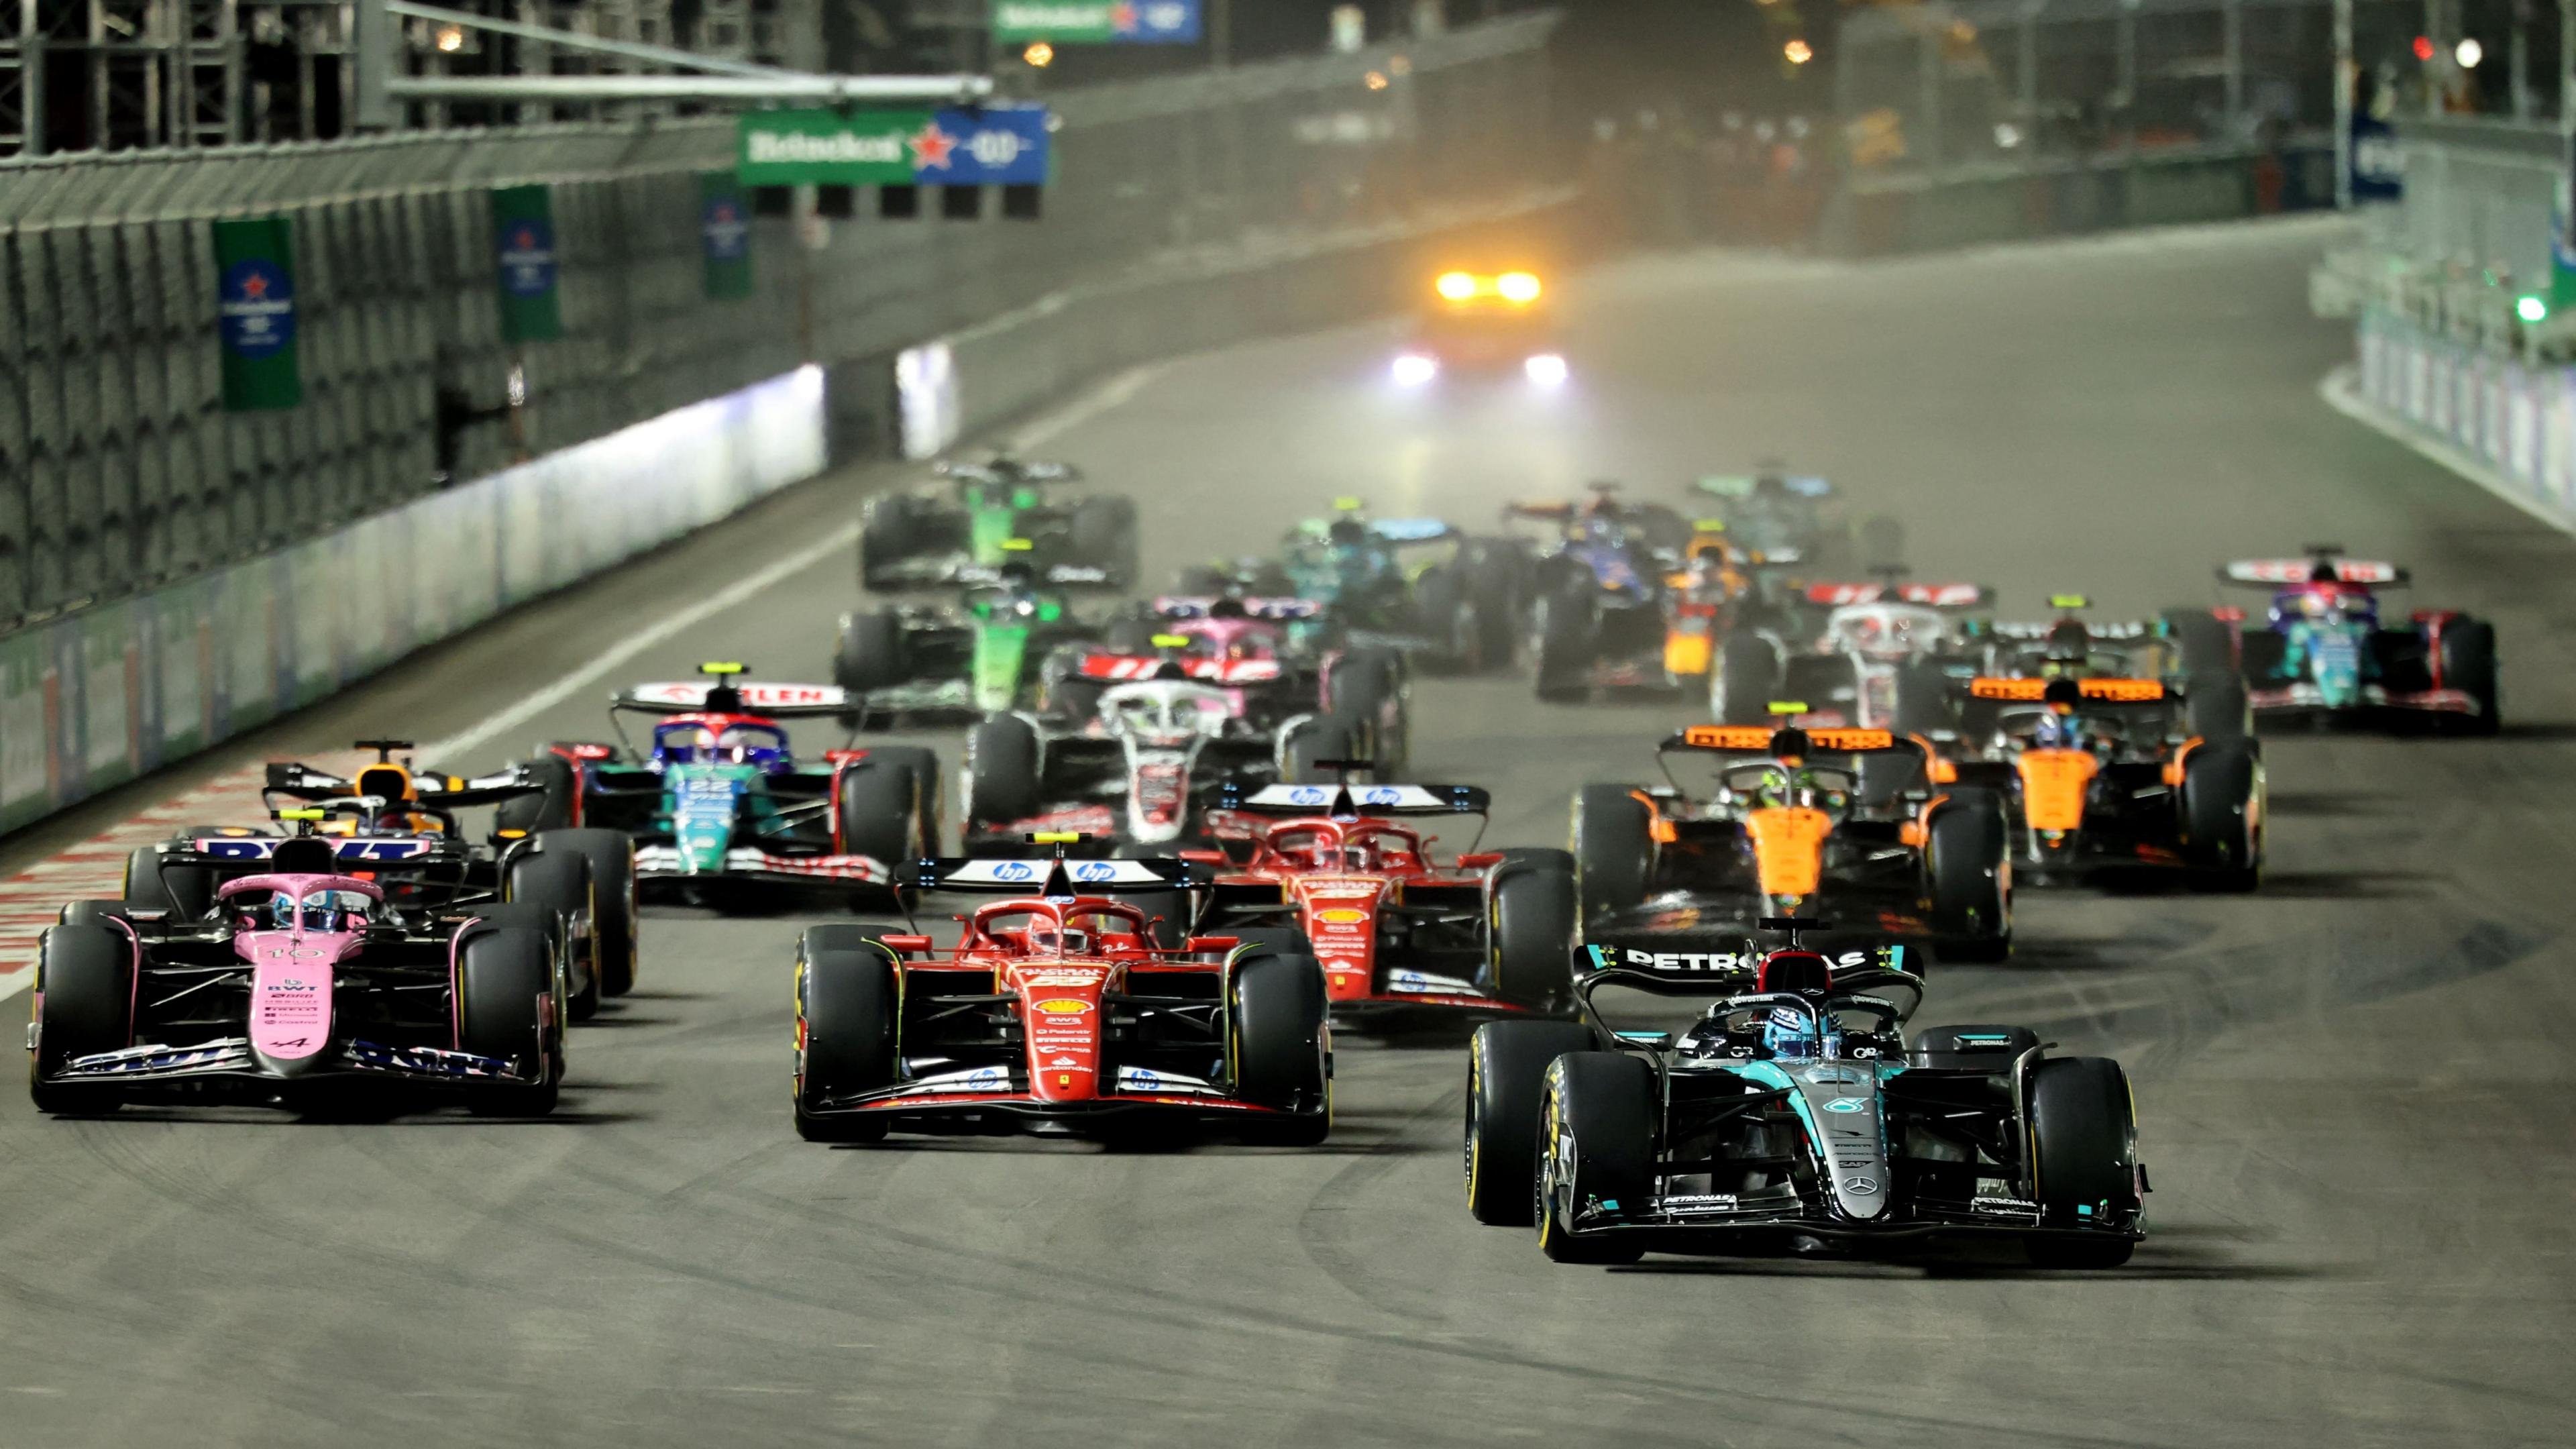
[(996, 148), (1012, 870), (1096, 870)]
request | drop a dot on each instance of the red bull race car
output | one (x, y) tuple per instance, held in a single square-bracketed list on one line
[(1401, 932), (1057, 1013)]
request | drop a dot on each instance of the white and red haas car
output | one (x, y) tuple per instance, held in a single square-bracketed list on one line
[(1057, 1013), (1400, 931)]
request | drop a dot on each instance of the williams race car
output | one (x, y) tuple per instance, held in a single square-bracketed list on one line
[(300, 987), (724, 813), (1401, 933), (960, 533), (2322, 652), (1056, 1013), (1797, 1113), (1797, 823)]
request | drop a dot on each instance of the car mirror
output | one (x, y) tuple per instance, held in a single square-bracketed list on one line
[(1480, 860), (904, 945), (1651, 1040)]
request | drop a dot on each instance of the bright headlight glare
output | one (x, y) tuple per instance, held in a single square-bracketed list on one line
[(1412, 369), (1517, 286), (1456, 286), (1546, 369)]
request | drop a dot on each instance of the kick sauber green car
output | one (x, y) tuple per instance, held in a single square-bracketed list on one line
[(981, 516), (979, 656)]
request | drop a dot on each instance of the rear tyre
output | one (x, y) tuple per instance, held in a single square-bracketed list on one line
[(1280, 1050), (1744, 680), (1507, 1065), (2084, 1141), (889, 534), (870, 653), (845, 1031), (2218, 707), (1493, 572), (1312, 741), (549, 809), (1596, 1145), (1367, 690), (1445, 612), (557, 877), (615, 922), (1967, 875), (2222, 814), (84, 1005), (504, 979), (876, 812), (2207, 645), (1530, 925), (1563, 629), (2468, 659), (1612, 854), (1923, 704), (1001, 772)]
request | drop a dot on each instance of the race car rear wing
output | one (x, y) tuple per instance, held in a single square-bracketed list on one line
[(1669, 967), (2098, 691), (1766, 740), (1356, 800), (1889, 591), (303, 782), (779, 701), (2123, 631), (2276, 572), (1045, 877), (1741, 486), (1198, 606)]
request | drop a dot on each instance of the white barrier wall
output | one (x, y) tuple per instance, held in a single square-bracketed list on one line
[(105, 693), (2519, 420)]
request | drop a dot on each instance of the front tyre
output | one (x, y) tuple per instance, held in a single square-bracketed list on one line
[(845, 1031), (504, 978), (2222, 814), (1280, 1049), (2083, 1133), (1596, 1154), (1530, 924), (84, 1005), (1967, 872), (1507, 1065), (1613, 855)]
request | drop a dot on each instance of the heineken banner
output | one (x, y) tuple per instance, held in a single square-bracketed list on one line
[(724, 226), (523, 232), (958, 146), (1097, 22), (255, 301)]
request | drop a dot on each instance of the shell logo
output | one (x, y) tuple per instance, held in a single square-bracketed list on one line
[(1341, 916), (1064, 1006)]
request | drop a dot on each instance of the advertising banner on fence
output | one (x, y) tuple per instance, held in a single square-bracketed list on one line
[(957, 146), (724, 229), (1097, 22), (255, 302), (523, 239)]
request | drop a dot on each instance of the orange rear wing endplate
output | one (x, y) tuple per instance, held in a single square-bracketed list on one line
[(2109, 691)]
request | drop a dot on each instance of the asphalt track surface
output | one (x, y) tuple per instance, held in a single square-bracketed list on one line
[(2354, 1086)]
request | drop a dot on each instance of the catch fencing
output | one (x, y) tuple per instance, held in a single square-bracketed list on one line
[(119, 470)]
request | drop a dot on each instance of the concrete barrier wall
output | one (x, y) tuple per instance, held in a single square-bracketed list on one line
[(2512, 424), (1893, 215), (97, 697)]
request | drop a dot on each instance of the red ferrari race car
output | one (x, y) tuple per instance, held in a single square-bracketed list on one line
[(1057, 1014), (1401, 933)]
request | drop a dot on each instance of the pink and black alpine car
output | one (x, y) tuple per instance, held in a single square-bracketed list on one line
[(299, 988)]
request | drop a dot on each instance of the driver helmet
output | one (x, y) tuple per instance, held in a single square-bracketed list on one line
[(325, 911), (2057, 727), (1061, 941), (1789, 1032)]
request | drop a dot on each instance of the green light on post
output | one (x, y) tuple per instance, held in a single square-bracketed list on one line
[(2532, 308)]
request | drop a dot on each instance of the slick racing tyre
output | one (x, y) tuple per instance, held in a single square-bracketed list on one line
[(1562, 629), (2222, 814), (870, 653), (614, 920), (2084, 1147), (84, 1005), (2219, 707), (1366, 688), (1507, 1065), (187, 892), (1744, 680), (1279, 1048), (845, 1030), (549, 809), (1311, 741), (557, 877), (1445, 612), (2468, 658), (1925, 700), (877, 809), (1612, 854), (1494, 569), (1001, 772), (504, 979), (1596, 1150), (890, 533), (2207, 645), (1967, 875), (1530, 920)]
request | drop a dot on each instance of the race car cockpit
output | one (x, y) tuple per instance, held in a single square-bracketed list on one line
[(719, 739)]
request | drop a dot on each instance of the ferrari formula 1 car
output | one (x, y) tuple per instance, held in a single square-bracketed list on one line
[(2107, 774), (960, 533), (1057, 1013), (1797, 1113), (2322, 652), (722, 812), (299, 987), (1797, 823), (1400, 932), (1145, 769), (982, 655)]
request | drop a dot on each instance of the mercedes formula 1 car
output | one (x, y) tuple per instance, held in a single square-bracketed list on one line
[(723, 812), (2322, 652), (299, 987), (982, 655), (1401, 932), (2108, 774), (1797, 1112), (1802, 823), (1056, 1012), (960, 533)]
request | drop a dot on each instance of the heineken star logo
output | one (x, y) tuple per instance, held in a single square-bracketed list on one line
[(931, 147), (254, 286), (1122, 18)]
